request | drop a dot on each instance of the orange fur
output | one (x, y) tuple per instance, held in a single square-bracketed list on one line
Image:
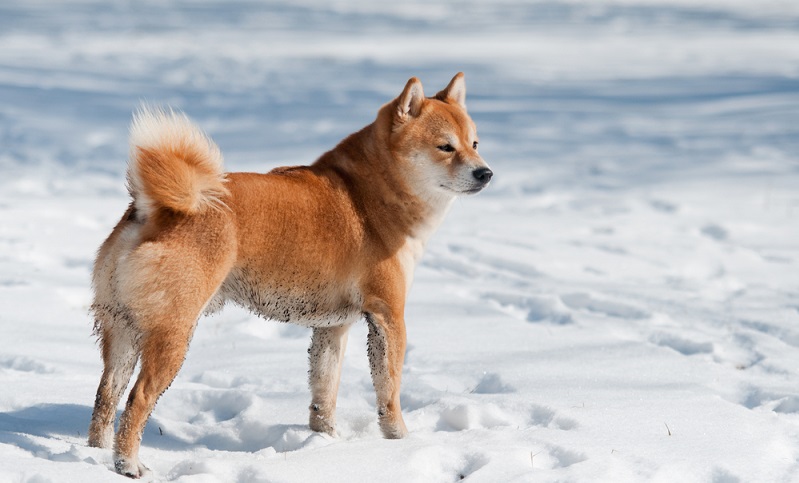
[(173, 164), (179, 180), (321, 245)]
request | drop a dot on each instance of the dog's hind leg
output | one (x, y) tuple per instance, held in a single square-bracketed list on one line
[(167, 288), (118, 345), (162, 355), (115, 330), (326, 355)]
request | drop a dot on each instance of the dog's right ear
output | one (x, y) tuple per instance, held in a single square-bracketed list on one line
[(409, 103)]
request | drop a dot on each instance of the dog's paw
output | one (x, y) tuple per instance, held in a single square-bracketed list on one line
[(101, 438), (130, 467), (322, 424), (393, 429)]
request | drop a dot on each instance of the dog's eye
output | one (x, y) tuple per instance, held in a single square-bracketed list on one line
[(474, 145), (447, 148)]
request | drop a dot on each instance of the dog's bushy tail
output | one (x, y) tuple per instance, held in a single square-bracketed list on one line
[(173, 164)]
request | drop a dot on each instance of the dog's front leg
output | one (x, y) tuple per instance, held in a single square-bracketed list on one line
[(325, 355), (386, 349)]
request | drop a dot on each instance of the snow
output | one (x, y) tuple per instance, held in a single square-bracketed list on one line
[(622, 304)]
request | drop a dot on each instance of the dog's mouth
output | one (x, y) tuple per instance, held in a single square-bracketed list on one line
[(474, 190), (469, 191)]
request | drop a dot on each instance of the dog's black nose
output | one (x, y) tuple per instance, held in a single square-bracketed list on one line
[(483, 175)]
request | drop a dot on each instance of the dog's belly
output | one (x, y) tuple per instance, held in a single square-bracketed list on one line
[(302, 302)]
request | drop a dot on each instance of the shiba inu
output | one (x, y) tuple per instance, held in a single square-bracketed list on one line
[(321, 245)]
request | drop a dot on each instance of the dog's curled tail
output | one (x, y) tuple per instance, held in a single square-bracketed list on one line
[(173, 164)]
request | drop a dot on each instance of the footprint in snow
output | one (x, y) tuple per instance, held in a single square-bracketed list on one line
[(785, 335), (663, 206), (553, 457), (474, 463), (756, 398), (219, 406), (587, 302), (13, 282), (26, 364), (463, 417), (482, 466), (548, 418), (492, 383), (532, 308), (223, 380), (470, 262), (715, 232), (467, 416), (680, 344)]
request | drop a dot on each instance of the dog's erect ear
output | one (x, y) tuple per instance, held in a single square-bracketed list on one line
[(409, 103), (455, 92)]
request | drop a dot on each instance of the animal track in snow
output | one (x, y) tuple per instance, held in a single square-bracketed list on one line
[(474, 462), (787, 336), (663, 206), (13, 282), (556, 457), (222, 380), (532, 308), (584, 301), (26, 364), (681, 344), (492, 383), (720, 475), (548, 418), (716, 232), (472, 263), (514, 267), (783, 404), (218, 406), (230, 421), (469, 415)]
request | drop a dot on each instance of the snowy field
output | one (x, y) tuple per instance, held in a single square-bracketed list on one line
[(622, 304)]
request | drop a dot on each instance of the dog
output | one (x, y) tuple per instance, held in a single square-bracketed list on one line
[(322, 246)]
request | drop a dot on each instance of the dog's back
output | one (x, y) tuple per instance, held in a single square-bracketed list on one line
[(298, 240)]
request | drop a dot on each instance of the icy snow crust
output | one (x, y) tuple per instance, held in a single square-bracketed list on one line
[(622, 304)]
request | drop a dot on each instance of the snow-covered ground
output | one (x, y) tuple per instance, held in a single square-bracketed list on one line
[(622, 304)]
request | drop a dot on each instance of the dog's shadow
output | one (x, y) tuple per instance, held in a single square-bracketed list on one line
[(69, 422), (47, 420), (22, 427), (280, 437)]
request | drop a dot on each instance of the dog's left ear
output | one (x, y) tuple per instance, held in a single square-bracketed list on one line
[(455, 92)]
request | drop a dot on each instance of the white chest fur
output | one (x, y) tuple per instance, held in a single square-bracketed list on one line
[(413, 248)]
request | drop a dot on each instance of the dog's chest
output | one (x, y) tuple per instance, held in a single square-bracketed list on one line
[(310, 301)]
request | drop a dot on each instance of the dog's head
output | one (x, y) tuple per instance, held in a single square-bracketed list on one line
[(436, 142)]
